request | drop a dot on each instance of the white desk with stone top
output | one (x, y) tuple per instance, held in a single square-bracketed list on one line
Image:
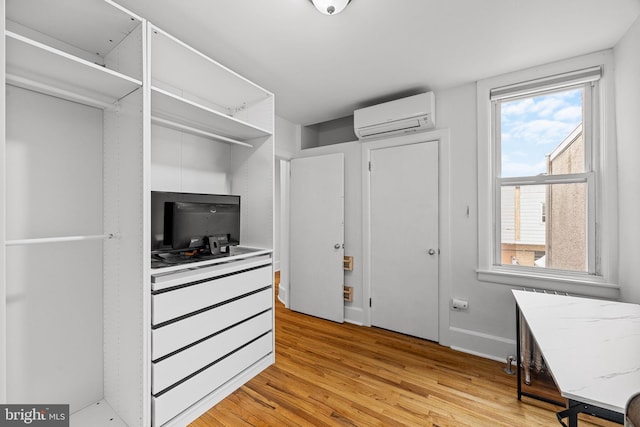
[(591, 347)]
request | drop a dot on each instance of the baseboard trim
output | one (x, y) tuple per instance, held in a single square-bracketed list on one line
[(354, 315), (282, 295), (481, 344)]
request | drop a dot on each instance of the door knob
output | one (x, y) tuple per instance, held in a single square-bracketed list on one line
[(336, 246), (432, 251)]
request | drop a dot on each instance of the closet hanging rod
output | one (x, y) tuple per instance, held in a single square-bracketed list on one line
[(195, 131), (60, 239), (26, 83)]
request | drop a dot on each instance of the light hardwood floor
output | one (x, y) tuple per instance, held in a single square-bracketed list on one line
[(329, 374)]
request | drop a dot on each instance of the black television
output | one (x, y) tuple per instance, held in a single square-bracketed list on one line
[(182, 222)]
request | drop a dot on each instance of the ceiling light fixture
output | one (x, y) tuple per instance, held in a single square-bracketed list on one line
[(330, 7)]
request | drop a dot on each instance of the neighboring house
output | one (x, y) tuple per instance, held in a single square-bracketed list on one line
[(542, 226), (566, 233), (523, 224)]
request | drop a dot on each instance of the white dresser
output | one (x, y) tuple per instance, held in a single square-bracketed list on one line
[(210, 326)]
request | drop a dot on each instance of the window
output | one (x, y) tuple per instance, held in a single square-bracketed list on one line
[(546, 180), (542, 141)]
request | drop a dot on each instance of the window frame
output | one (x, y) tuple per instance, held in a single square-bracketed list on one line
[(588, 177), (600, 174)]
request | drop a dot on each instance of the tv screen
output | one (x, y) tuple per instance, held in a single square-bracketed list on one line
[(180, 221)]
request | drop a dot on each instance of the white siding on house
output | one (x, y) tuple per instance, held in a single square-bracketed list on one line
[(531, 227), (508, 217)]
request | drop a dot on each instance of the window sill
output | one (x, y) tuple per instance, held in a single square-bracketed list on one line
[(575, 284)]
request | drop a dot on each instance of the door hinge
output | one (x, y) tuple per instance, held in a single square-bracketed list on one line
[(369, 166), (369, 302)]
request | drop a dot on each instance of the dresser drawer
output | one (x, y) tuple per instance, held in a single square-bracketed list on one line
[(175, 400), (178, 302), (180, 365), (174, 336)]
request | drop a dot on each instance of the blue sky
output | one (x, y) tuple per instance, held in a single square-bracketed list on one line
[(533, 127)]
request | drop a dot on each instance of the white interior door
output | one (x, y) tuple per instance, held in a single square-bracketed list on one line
[(404, 239), (317, 236)]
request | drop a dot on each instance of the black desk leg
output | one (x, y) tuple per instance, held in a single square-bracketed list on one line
[(519, 367), (518, 361), (572, 411), (574, 408)]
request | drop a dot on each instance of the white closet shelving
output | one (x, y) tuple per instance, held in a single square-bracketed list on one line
[(101, 108), (182, 114), (59, 239), (192, 93), (230, 120), (74, 75), (84, 56), (212, 132), (42, 68)]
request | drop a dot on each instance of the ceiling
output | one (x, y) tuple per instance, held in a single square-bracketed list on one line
[(323, 67)]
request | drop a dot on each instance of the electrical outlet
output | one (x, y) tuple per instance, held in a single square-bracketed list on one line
[(458, 304)]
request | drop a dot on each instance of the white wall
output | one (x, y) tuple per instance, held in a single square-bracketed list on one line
[(287, 142), (627, 81), (187, 163), (487, 328), (336, 131)]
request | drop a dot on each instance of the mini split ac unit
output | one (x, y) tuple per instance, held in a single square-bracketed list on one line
[(412, 114)]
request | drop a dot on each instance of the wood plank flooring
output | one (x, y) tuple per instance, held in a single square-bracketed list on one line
[(329, 374)]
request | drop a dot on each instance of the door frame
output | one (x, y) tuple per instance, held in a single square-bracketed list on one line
[(283, 222), (444, 222)]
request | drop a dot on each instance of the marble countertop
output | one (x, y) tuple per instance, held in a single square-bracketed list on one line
[(592, 347)]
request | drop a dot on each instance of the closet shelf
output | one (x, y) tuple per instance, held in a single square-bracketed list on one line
[(184, 112), (47, 89), (31, 61), (22, 242), (179, 65), (177, 126)]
